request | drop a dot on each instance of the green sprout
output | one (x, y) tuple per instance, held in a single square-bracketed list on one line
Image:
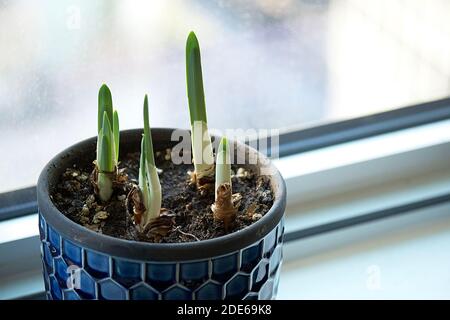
[(107, 144), (201, 141), (148, 174), (223, 207)]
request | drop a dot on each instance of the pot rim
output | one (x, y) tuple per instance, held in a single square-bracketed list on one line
[(136, 250)]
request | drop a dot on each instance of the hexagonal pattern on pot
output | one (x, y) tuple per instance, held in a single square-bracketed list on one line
[(72, 253), (177, 293), (237, 287), (143, 291), (161, 275), (87, 285), (111, 290), (211, 290), (70, 295), (277, 256), (97, 264), (61, 271), (260, 275), (55, 241), (73, 272), (126, 273), (276, 279), (55, 288), (42, 228), (193, 274), (224, 267), (270, 241), (280, 231), (47, 257), (251, 256), (266, 291), (251, 296)]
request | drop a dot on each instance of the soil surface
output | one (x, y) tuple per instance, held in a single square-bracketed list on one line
[(191, 209)]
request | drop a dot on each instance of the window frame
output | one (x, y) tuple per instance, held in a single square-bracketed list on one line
[(308, 139), (18, 203)]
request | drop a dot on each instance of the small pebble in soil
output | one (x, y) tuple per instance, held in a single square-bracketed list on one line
[(256, 216), (167, 156), (85, 210), (243, 174), (101, 215), (90, 200), (83, 177)]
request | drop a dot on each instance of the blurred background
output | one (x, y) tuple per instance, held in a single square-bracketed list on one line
[(267, 64)]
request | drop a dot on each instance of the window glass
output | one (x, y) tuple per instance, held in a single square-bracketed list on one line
[(266, 64)]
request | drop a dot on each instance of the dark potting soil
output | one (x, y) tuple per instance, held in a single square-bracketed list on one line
[(74, 196)]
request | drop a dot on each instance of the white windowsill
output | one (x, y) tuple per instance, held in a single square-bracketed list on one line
[(404, 257)]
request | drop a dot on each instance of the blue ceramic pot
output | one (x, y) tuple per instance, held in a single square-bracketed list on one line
[(82, 264)]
